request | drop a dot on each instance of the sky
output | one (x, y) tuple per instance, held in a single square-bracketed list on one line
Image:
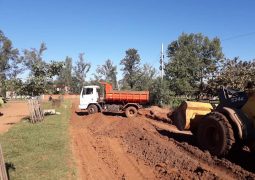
[(105, 29)]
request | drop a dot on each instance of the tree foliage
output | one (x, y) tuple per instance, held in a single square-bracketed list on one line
[(131, 69), (107, 72), (235, 74), (40, 80), (7, 53), (80, 70), (41, 73), (65, 76), (193, 58), (145, 77), (159, 92), (33, 57), (9, 59), (14, 86)]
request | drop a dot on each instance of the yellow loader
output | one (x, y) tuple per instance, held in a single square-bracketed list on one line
[(218, 130)]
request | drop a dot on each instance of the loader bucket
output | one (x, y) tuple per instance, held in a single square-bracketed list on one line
[(189, 111)]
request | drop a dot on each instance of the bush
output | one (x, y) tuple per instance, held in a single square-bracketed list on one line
[(160, 93)]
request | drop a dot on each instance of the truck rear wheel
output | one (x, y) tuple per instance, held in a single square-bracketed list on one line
[(131, 111), (92, 109), (215, 134)]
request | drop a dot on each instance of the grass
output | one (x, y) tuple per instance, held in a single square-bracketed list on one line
[(42, 150)]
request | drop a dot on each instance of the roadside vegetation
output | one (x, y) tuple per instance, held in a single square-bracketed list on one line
[(42, 150)]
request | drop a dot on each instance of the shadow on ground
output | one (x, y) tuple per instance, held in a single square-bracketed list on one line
[(10, 123), (157, 118), (105, 113), (9, 167), (243, 158), (190, 139), (82, 113), (114, 114)]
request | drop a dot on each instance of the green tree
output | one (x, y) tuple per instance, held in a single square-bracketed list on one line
[(15, 86), (41, 73), (131, 69), (235, 74), (107, 72), (159, 92), (80, 70), (74, 88), (145, 78), (65, 76), (193, 59), (33, 56), (40, 80), (7, 54)]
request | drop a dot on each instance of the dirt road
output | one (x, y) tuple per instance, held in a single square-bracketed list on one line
[(115, 147), (13, 112)]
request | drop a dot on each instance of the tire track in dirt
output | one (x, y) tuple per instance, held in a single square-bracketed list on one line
[(101, 157), (132, 169), (89, 164)]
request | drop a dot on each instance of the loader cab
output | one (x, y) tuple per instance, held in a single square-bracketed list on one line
[(89, 95), (232, 98)]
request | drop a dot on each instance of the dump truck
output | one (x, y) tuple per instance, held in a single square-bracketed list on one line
[(95, 100), (229, 125)]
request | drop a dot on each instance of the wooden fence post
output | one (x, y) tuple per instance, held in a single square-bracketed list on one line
[(3, 173), (36, 111)]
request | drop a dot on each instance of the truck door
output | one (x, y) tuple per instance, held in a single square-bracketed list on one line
[(88, 95)]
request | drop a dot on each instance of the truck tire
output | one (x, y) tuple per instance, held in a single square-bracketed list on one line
[(92, 109), (215, 134), (131, 111)]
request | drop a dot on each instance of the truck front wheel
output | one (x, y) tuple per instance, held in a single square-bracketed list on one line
[(215, 134), (131, 111), (92, 109)]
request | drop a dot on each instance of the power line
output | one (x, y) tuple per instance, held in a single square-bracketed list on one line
[(239, 36)]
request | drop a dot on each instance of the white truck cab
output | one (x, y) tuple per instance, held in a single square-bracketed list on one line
[(89, 95)]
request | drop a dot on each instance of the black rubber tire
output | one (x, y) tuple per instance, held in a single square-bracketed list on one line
[(92, 109), (131, 111), (215, 134)]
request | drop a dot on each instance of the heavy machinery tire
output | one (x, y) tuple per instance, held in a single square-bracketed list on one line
[(215, 134), (131, 111), (92, 109)]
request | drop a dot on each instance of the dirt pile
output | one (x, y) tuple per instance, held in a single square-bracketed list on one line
[(157, 113), (139, 149)]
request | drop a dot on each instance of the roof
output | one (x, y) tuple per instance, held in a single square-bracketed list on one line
[(92, 86)]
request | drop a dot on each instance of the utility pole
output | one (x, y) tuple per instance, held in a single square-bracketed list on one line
[(162, 61)]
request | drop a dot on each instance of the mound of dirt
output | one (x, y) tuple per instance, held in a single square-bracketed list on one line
[(157, 113), (138, 149)]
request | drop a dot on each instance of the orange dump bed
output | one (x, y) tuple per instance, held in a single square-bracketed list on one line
[(125, 96)]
